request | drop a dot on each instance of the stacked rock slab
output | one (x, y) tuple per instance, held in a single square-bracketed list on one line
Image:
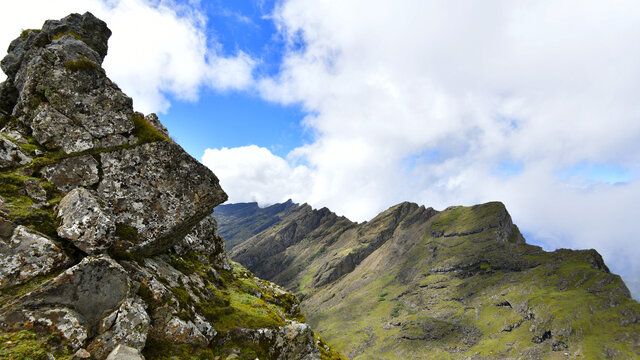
[(108, 249)]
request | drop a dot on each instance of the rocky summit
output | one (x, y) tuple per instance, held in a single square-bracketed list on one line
[(108, 249), (462, 283)]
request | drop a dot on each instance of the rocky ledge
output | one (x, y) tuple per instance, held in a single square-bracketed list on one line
[(108, 249)]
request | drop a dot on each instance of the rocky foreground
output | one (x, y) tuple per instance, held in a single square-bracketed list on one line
[(416, 283), (108, 249)]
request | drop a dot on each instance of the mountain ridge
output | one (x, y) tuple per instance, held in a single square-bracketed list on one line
[(462, 283)]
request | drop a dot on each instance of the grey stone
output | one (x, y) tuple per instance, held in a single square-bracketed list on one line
[(66, 322), (93, 288), (26, 255), (55, 131), (123, 352), (35, 190), (91, 30), (72, 172), (159, 190), (84, 222), (11, 155), (130, 327)]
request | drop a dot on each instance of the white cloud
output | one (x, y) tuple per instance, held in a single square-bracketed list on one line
[(424, 100), (252, 173), (157, 47)]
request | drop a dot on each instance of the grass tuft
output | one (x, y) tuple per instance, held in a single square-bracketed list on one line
[(81, 65), (145, 131)]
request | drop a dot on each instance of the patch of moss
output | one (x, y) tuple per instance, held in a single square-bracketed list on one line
[(145, 131), (61, 34), (25, 33), (26, 344), (81, 65), (22, 209), (127, 233)]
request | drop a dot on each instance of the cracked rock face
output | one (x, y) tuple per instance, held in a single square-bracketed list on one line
[(84, 222), (159, 190), (73, 172), (93, 288), (28, 254), (127, 326)]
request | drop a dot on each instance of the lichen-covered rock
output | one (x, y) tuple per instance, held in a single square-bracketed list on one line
[(293, 341), (127, 326), (28, 254), (72, 172), (55, 131), (63, 95), (123, 352), (84, 222), (11, 155), (204, 241), (93, 288), (179, 331), (159, 190), (35, 190)]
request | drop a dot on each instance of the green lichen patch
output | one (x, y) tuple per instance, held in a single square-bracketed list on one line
[(145, 131), (27, 345)]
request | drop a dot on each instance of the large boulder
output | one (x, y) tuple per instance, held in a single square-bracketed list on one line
[(84, 222), (27, 254), (159, 190), (93, 288)]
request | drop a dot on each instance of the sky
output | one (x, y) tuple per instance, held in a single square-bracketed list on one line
[(358, 105)]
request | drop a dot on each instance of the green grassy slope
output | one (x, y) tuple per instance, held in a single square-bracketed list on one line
[(414, 283)]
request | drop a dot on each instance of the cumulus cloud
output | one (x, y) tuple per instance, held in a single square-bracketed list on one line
[(158, 48), (252, 173), (445, 103)]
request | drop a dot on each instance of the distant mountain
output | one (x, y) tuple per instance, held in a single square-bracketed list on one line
[(238, 222), (416, 283)]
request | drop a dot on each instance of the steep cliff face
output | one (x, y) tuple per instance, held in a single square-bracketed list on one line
[(415, 283), (107, 246)]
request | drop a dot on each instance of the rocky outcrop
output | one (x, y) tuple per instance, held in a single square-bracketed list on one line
[(163, 202), (107, 245)]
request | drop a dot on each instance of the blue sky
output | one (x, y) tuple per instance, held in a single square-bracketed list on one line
[(233, 119), (359, 105)]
